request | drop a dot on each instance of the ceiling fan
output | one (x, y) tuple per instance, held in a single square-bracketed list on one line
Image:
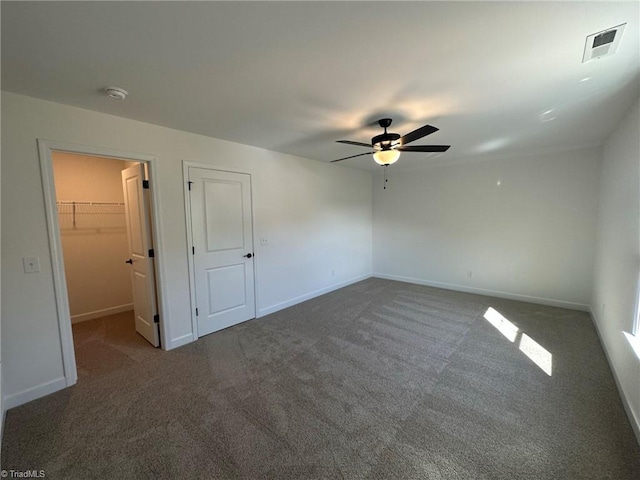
[(387, 146)]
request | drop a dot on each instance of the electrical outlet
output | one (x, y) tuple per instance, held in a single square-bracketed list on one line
[(470, 274), (333, 273), (264, 241), (31, 264)]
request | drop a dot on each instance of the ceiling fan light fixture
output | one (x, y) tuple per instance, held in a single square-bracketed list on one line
[(386, 157)]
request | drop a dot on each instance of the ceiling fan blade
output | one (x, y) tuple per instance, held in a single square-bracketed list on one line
[(358, 144), (424, 148), (352, 156), (418, 133)]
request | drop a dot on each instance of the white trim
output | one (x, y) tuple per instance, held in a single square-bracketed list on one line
[(634, 341), (190, 265), (94, 151), (635, 328), (57, 263), (32, 393), (83, 317), (45, 149), (308, 296), (633, 417), (186, 164), (491, 293), (180, 341)]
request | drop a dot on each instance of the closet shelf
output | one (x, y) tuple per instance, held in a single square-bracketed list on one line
[(90, 215)]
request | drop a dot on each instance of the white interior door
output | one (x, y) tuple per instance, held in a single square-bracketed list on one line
[(141, 255), (222, 233)]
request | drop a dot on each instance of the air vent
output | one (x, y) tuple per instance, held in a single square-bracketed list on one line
[(602, 44)]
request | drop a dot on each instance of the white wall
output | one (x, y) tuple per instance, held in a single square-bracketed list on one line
[(98, 280), (617, 265), (530, 238), (316, 216)]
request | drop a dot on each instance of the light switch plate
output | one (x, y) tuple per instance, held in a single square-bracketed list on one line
[(31, 264)]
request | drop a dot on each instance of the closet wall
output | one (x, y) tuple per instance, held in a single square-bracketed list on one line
[(93, 232)]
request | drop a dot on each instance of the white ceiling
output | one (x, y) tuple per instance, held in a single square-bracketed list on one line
[(294, 77)]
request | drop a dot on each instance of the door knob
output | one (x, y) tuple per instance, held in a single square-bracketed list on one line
[(249, 255), (130, 262)]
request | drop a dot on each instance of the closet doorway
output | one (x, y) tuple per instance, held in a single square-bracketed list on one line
[(104, 221)]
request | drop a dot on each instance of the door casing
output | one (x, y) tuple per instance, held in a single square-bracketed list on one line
[(45, 149)]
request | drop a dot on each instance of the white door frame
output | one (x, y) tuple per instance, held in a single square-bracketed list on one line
[(187, 206), (45, 149)]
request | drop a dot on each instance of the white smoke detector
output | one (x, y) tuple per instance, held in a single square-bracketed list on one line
[(116, 92), (602, 44)]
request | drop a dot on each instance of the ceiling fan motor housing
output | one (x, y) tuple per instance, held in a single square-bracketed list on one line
[(385, 140)]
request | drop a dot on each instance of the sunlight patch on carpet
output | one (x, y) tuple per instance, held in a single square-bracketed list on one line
[(527, 345)]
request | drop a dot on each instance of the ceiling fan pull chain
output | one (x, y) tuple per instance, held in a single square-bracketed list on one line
[(385, 177)]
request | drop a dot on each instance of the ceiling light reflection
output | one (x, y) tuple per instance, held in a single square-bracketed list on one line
[(547, 116), (491, 145)]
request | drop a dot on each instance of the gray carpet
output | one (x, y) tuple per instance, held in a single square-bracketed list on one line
[(378, 380)]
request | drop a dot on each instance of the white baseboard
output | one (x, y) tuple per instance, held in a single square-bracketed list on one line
[(83, 317), (490, 293), (633, 416), (32, 393), (180, 341), (308, 296)]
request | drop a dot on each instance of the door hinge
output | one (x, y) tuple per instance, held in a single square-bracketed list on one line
[(189, 184), (151, 253), (196, 312), (193, 250), (145, 183), (156, 318)]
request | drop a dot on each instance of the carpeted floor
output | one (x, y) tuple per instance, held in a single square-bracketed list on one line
[(378, 380)]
